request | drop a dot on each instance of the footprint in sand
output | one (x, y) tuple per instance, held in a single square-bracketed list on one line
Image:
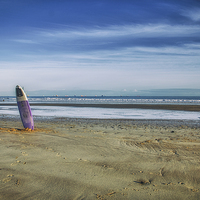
[(5, 180), (59, 155), (13, 164), (24, 154), (9, 177)]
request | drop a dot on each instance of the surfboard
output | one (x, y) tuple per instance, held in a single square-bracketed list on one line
[(24, 108)]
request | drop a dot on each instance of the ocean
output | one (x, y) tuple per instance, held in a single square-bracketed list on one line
[(8, 107)]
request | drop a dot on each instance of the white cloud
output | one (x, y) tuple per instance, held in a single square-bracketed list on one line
[(25, 41), (193, 14), (140, 31)]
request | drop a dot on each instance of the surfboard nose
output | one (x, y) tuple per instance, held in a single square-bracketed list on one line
[(19, 92)]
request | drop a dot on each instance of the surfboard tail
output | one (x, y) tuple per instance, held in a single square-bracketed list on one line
[(25, 114)]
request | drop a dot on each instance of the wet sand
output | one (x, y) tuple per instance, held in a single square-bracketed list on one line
[(184, 107), (67, 158)]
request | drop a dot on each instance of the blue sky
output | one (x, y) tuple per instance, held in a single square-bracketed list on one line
[(109, 45)]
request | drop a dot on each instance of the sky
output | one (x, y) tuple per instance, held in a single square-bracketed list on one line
[(114, 47)]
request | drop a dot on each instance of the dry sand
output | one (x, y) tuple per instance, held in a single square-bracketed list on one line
[(99, 159)]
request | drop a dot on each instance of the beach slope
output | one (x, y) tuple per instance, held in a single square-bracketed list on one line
[(67, 158)]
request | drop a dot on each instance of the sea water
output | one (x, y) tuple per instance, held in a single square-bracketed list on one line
[(104, 113), (191, 100)]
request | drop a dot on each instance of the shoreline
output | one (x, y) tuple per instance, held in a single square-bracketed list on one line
[(157, 122), (180, 107)]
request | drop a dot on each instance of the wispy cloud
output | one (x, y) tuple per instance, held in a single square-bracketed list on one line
[(193, 14), (150, 30), (151, 38), (25, 41)]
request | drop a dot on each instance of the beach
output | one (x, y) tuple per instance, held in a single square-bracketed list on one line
[(74, 158), (186, 107)]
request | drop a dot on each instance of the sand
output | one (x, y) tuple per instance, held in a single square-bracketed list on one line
[(185, 107), (67, 158)]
